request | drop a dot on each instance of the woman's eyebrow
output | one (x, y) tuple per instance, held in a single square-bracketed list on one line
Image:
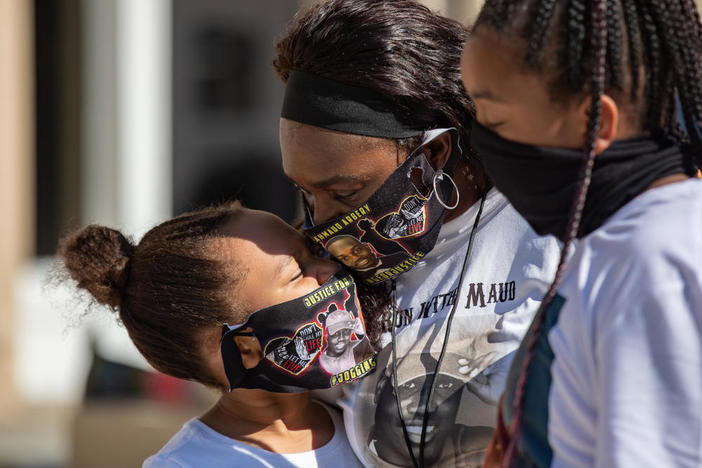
[(339, 179)]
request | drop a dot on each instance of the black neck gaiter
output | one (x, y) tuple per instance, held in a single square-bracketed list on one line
[(540, 182)]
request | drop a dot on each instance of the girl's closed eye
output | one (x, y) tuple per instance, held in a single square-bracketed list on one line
[(297, 275)]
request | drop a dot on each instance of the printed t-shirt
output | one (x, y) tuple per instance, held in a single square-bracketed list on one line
[(500, 292), (198, 445), (617, 375)]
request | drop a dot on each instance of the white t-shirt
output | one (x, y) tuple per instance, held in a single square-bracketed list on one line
[(500, 293), (197, 445), (619, 379), (627, 377)]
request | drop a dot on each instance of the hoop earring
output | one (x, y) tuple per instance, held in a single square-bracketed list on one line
[(439, 175)]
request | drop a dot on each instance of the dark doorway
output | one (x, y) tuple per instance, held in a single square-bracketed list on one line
[(57, 119)]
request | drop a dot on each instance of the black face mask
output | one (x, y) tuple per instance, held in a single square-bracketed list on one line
[(397, 226), (540, 182), (315, 341)]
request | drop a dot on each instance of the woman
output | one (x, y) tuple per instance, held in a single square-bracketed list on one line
[(374, 131), (234, 299), (571, 95)]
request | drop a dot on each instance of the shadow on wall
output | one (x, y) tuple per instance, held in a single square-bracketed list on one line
[(259, 183)]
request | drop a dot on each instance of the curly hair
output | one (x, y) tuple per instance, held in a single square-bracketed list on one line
[(174, 285), (167, 289)]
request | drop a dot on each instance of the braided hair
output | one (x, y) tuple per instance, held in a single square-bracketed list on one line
[(647, 54), (653, 55)]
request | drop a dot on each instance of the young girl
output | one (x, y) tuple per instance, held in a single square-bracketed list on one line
[(234, 299), (610, 373)]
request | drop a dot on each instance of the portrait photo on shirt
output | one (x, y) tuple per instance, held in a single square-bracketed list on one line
[(451, 439)]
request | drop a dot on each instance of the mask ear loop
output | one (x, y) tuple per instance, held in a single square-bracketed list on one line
[(226, 328), (395, 390), (308, 221), (439, 175), (229, 332)]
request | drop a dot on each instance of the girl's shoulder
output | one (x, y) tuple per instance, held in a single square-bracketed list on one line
[(660, 225), (196, 445), (648, 253), (186, 442)]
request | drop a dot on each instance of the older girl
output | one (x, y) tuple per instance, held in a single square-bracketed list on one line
[(576, 103)]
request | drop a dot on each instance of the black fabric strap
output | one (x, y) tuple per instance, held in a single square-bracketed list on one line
[(317, 101)]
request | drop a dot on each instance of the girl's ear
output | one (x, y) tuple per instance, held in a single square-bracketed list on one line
[(609, 121), (250, 350), (439, 150)]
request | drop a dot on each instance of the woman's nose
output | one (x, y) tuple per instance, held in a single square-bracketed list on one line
[(324, 210)]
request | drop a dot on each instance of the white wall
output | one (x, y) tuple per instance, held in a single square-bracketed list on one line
[(126, 180)]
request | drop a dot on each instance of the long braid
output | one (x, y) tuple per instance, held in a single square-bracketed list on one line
[(681, 48), (672, 54), (634, 45), (575, 41), (688, 31), (688, 75), (690, 44), (598, 39), (540, 23), (693, 110), (672, 127), (693, 16), (664, 16), (654, 87), (614, 46)]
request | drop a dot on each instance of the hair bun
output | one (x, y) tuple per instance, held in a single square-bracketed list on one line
[(98, 258)]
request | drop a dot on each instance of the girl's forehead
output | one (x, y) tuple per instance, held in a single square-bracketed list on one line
[(503, 50), (252, 236), (248, 224)]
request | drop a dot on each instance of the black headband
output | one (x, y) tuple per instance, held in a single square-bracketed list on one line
[(317, 101)]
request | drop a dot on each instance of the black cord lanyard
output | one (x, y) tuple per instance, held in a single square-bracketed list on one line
[(449, 320)]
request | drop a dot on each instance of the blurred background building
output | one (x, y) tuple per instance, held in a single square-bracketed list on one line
[(121, 112)]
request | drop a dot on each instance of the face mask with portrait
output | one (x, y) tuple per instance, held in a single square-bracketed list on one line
[(315, 341), (400, 222)]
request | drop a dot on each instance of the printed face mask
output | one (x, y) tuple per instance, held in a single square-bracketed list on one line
[(397, 226), (315, 341)]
